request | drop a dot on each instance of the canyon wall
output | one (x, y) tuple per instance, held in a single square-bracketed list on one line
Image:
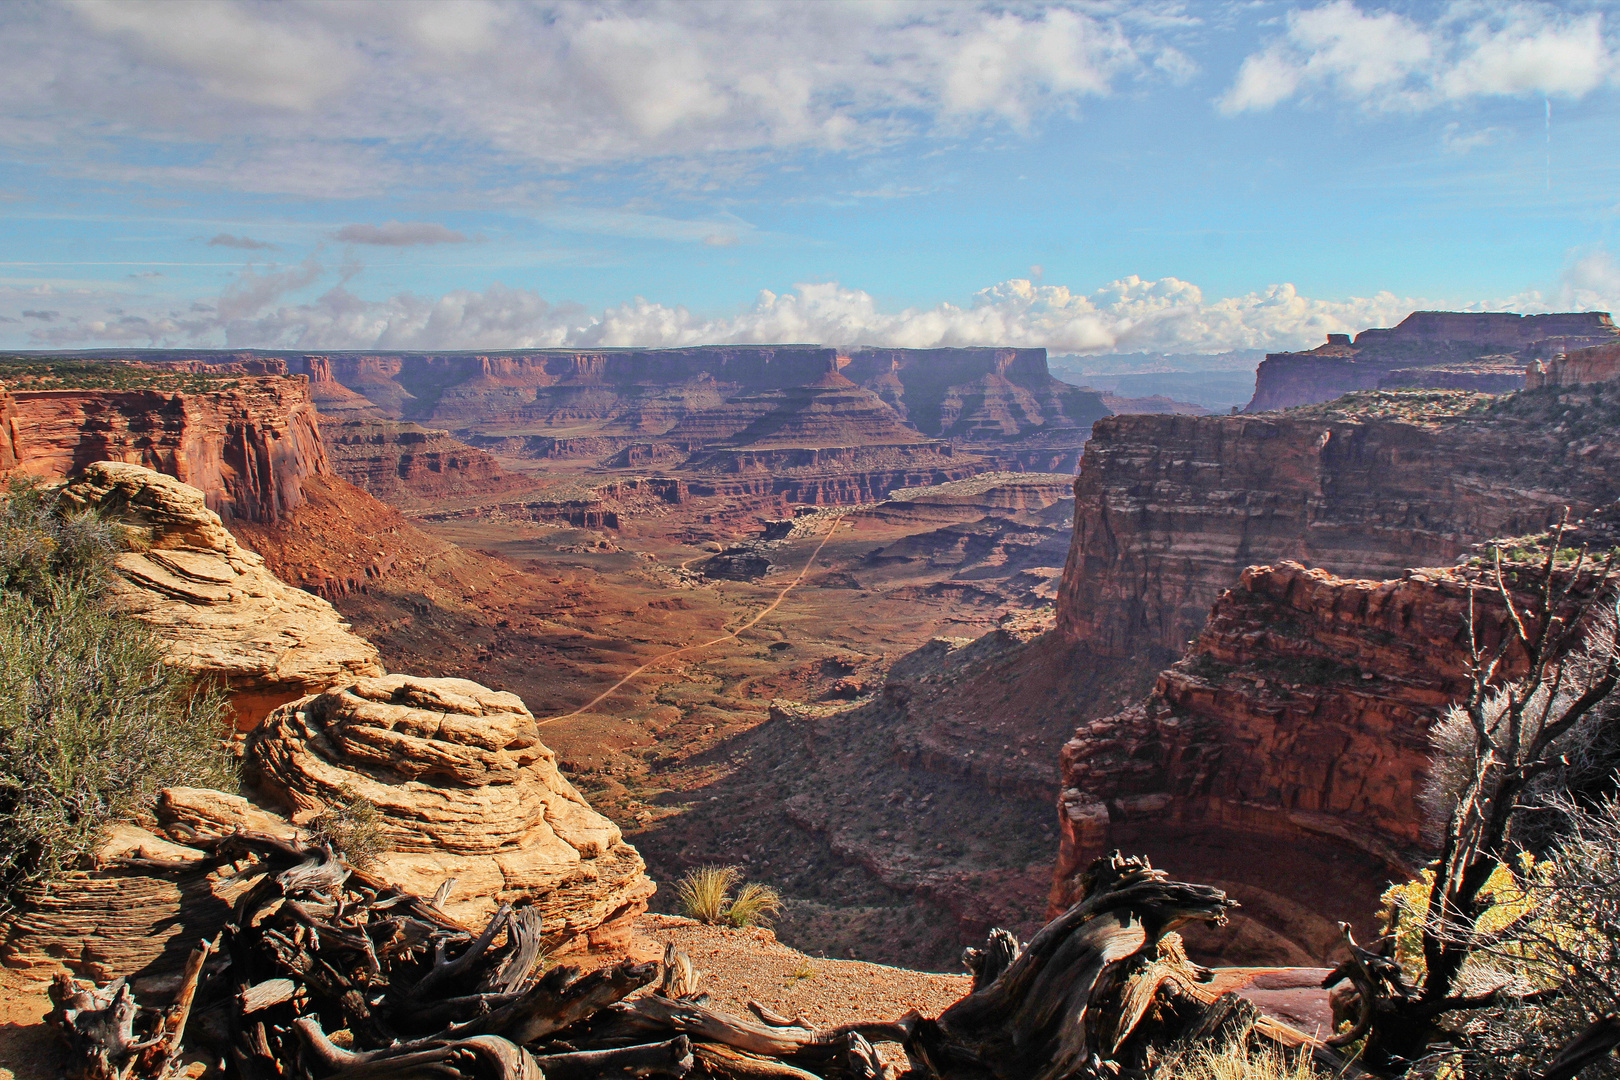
[(1292, 738), (8, 431), (970, 396), (248, 445), (1481, 351), (1599, 363), (406, 464), (1170, 509)]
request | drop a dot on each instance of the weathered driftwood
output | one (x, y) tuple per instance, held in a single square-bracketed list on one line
[(314, 948)]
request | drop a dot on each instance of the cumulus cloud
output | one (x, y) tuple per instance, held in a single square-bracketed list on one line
[(1132, 313), (545, 86), (253, 289), (246, 243), (1590, 281), (1383, 60), (399, 234), (42, 316)]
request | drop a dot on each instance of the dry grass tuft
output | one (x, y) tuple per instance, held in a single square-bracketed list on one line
[(1237, 1061), (755, 905), (702, 893)]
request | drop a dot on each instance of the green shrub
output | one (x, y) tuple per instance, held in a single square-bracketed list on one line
[(92, 721), (352, 828), (701, 893)]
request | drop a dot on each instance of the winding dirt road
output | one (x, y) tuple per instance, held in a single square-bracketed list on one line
[(728, 636)]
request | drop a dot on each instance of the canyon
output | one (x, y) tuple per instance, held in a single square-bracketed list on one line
[(850, 620)]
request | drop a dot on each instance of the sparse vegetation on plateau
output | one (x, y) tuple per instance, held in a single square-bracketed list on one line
[(703, 892), (30, 373), (91, 718)]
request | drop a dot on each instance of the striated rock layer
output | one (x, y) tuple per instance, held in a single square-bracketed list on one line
[(248, 446), (1170, 509), (220, 612), (406, 464), (1456, 350), (466, 790), (1285, 753)]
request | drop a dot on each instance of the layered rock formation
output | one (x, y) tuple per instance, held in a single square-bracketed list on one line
[(1169, 509), (465, 790), (335, 401), (248, 445), (606, 400), (8, 431), (112, 918), (1454, 350), (1596, 364), (407, 465), (1297, 723), (979, 396), (218, 610)]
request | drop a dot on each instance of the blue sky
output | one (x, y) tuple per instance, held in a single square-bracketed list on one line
[(1091, 177)]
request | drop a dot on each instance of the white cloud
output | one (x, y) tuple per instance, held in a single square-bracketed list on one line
[(1383, 60), (399, 234), (233, 51), (1130, 314), (356, 97), (1591, 280)]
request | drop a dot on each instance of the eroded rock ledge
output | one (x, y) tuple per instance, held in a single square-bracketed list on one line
[(219, 610), (466, 790)]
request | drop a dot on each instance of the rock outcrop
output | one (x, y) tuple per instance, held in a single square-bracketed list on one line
[(248, 444), (1290, 743), (1596, 364), (465, 790), (1451, 350), (8, 431), (220, 612), (405, 464), (1170, 509)]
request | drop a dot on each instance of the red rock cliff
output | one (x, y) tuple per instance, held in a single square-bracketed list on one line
[(1463, 350), (1170, 509), (1289, 744), (248, 447)]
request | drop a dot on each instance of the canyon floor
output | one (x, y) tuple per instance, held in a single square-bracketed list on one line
[(655, 682)]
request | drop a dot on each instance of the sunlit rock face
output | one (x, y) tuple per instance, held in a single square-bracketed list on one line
[(466, 790), (1286, 753), (218, 610), (248, 448)]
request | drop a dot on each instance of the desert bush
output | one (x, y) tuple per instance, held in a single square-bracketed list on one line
[(755, 905), (1557, 963), (92, 721), (703, 892), (1236, 1060), (352, 828)]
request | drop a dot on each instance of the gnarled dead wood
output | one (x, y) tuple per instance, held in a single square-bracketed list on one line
[(314, 942)]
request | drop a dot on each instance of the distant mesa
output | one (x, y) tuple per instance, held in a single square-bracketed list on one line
[(1483, 351)]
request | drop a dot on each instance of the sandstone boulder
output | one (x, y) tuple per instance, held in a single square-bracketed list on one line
[(222, 613), (143, 903), (466, 790)]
